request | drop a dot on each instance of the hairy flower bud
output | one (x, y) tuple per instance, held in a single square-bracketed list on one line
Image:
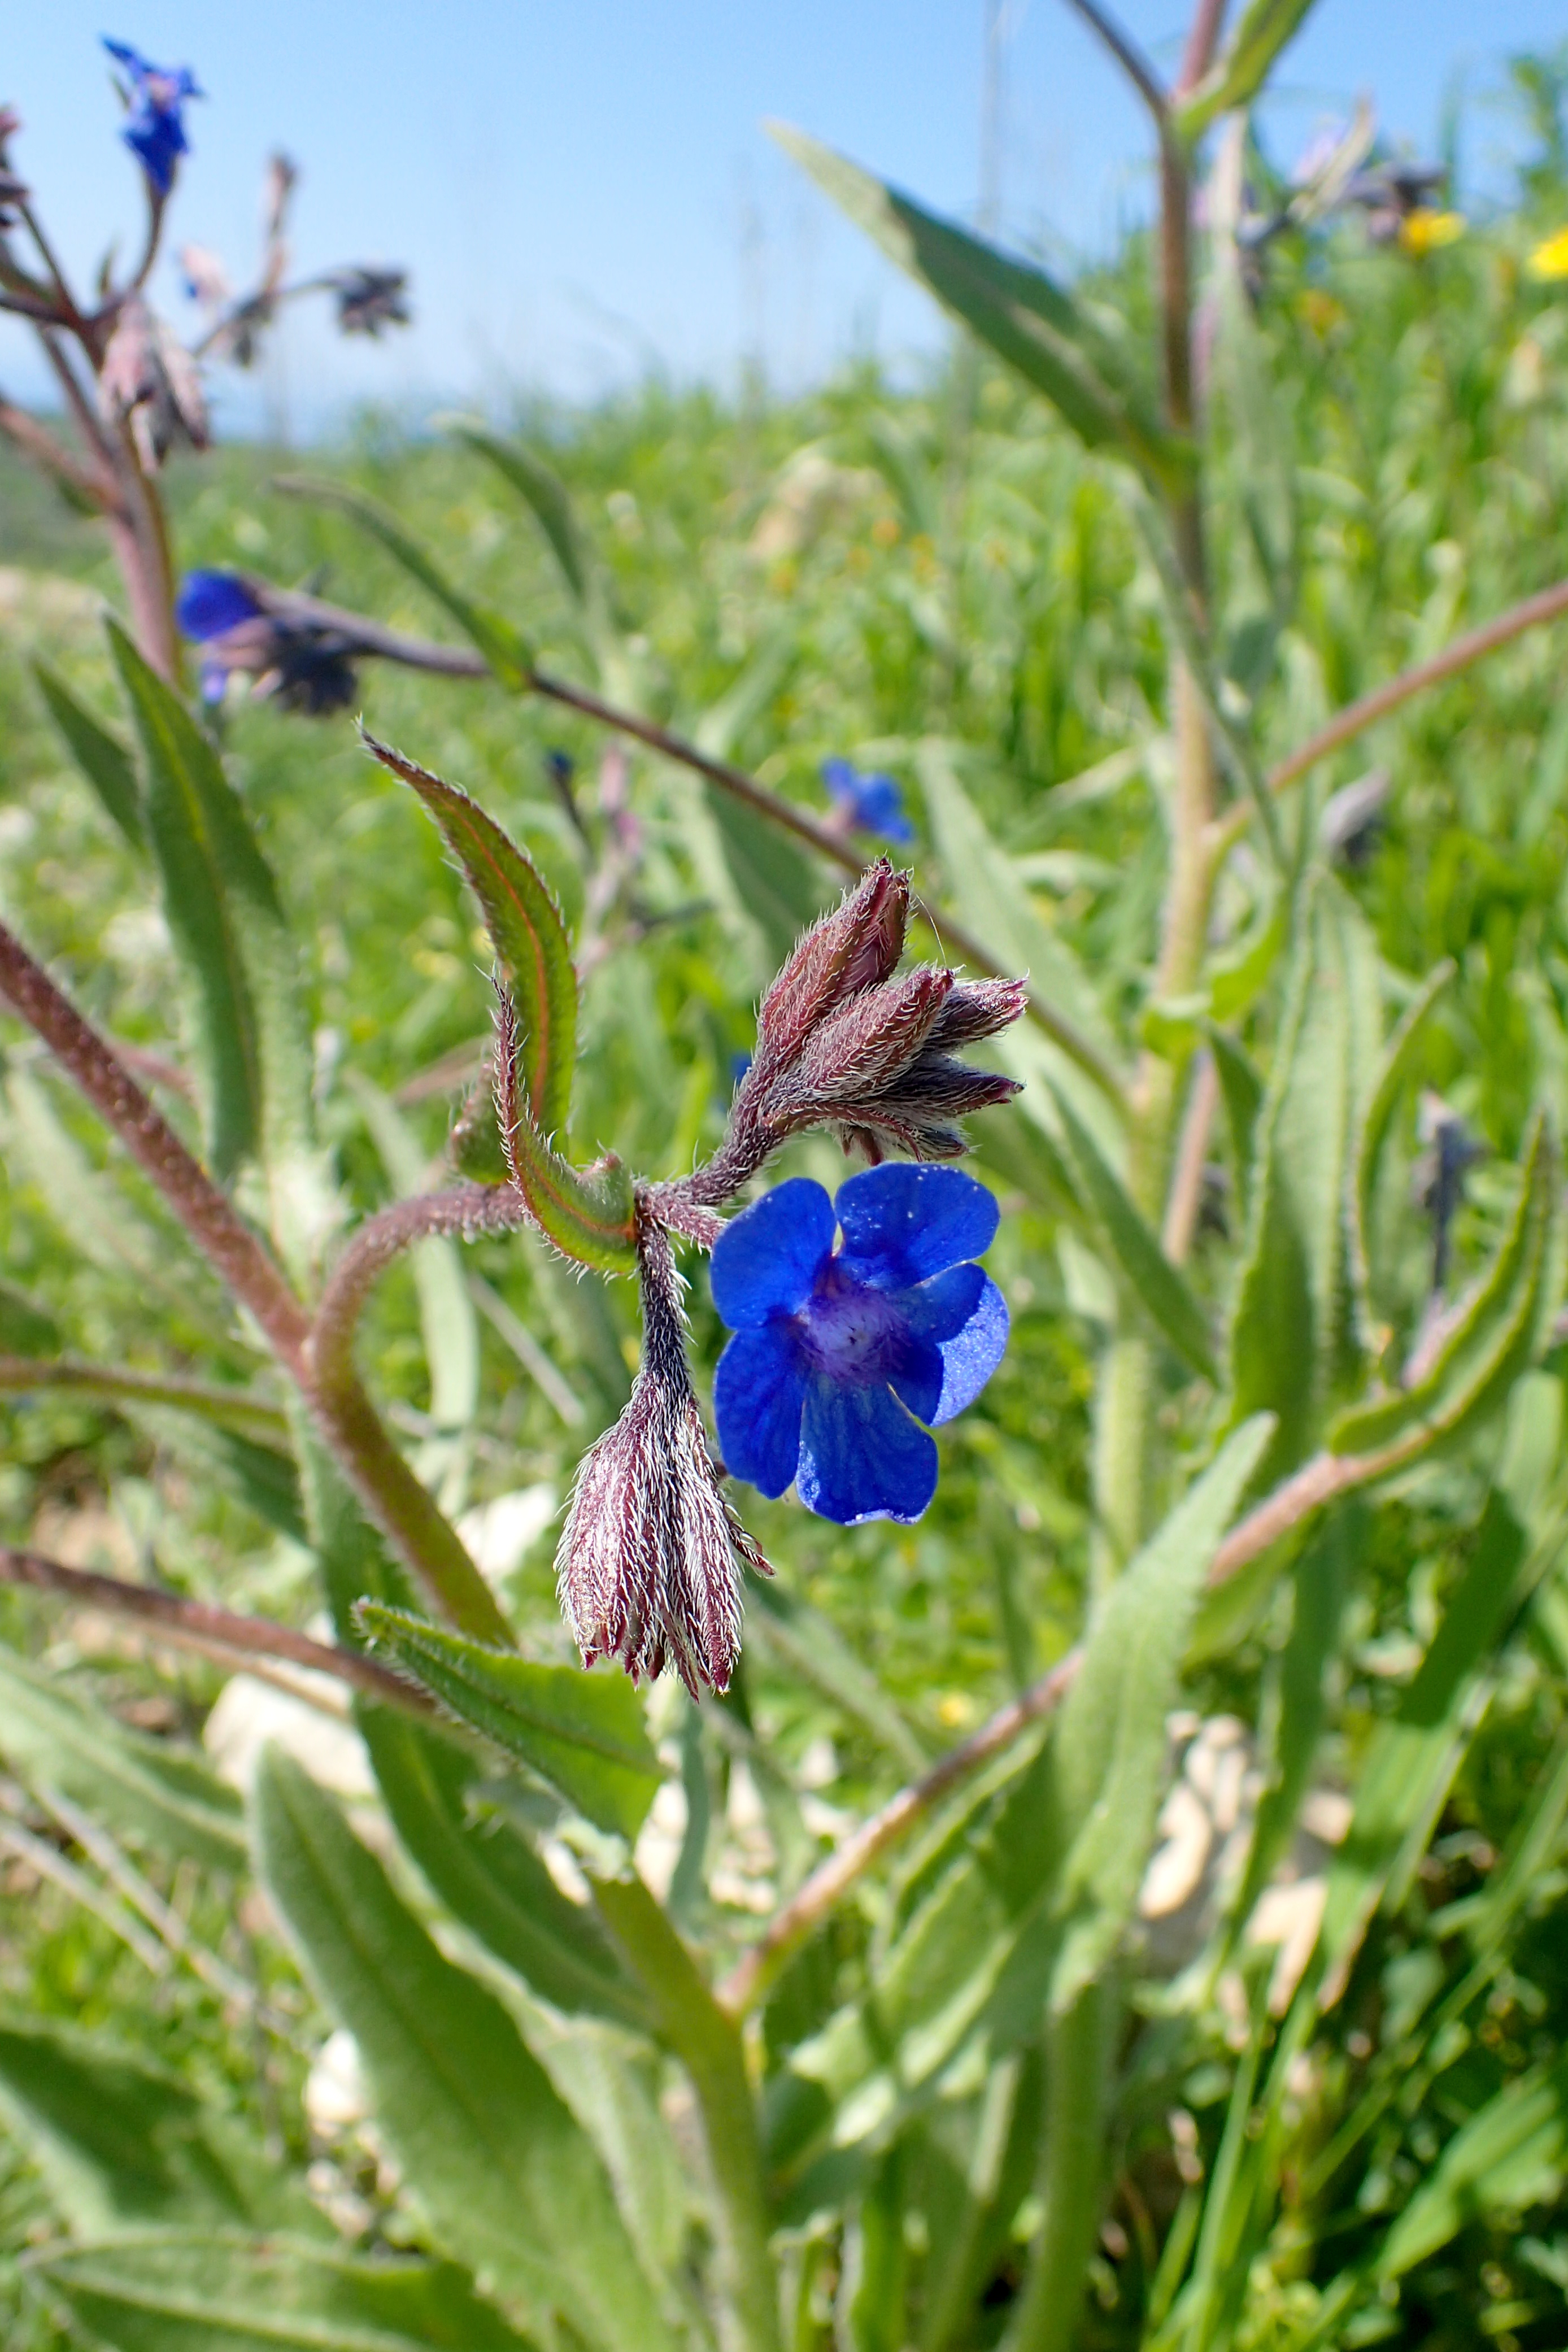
[(854, 948), (649, 1564)]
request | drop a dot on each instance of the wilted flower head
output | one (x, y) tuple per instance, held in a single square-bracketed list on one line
[(872, 804), (841, 1352), (149, 378), (650, 1563), (370, 300), (155, 127), (248, 630)]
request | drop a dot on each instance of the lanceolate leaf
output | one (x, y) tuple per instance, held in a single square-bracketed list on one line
[(1109, 1752), (556, 514), (487, 1874), (1391, 1073), (526, 929), (511, 2186), (1510, 2155), (222, 909), (583, 1733), (1294, 1330), (1153, 1280), (186, 2291), (491, 636), (147, 1786), (589, 1214), (1025, 317), (1496, 1333), (101, 756)]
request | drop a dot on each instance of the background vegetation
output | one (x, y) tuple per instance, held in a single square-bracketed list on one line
[(943, 583)]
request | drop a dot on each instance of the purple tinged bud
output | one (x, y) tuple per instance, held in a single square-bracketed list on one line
[(650, 1561), (854, 948)]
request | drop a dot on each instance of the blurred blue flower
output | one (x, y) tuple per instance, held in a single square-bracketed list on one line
[(840, 1354), (210, 602), (154, 128), (866, 804)]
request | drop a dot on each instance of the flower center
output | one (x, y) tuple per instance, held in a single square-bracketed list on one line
[(848, 1330)]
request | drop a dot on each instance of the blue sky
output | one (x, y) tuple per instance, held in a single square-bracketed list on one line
[(582, 187)]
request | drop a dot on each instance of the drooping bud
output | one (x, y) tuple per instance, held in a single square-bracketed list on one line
[(649, 1564), (149, 378)]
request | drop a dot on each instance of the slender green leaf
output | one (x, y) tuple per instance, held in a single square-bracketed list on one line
[(1510, 2155), (1239, 72), (526, 929), (500, 644), (1108, 1751), (121, 2141), (183, 2291), (1496, 1333), (262, 1478), (555, 511), (1393, 1072), (223, 910), (488, 1875), (166, 1794), (588, 1216), (1023, 315), (583, 1733), (1242, 1091), (511, 2185), (1293, 1333), (995, 904), (101, 756), (1154, 1282), (772, 882), (28, 1328)]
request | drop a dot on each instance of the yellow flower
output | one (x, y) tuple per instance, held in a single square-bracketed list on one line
[(1551, 259), (1424, 232)]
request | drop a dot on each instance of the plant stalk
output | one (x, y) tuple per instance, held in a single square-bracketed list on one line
[(1072, 2171)]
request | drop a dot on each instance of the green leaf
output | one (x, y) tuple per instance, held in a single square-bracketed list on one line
[(1108, 1750), (121, 2141), (1239, 72), (1242, 1090), (262, 1478), (556, 514), (772, 881), (589, 1216), (28, 1328), (583, 1733), (994, 903), (526, 930), (1510, 2155), (511, 2185), (1153, 1280), (1496, 1333), (164, 1793), (1262, 472), (500, 644), (488, 1875), (229, 929), (1388, 1083), (101, 756), (184, 2291), (1293, 1333), (1024, 316)]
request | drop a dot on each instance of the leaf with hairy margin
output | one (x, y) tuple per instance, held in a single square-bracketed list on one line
[(512, 2186), (1154, 1282), (526, 931), (583, 1733)]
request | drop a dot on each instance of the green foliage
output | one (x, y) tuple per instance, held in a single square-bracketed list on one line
[(1220, 2006)]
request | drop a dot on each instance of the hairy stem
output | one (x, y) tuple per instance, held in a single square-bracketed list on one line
[(399, 1504), (212, 1632), (706, 2038)]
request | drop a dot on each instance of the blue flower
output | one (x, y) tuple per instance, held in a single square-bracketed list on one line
[(866, 804), (154, 128), (212, 603), (840, 1354)]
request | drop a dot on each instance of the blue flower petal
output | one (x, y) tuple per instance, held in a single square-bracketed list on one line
[(879, 808), (862, 1457), (759, 1390), (915, 1372), (211, 602), (765, 1260), (840, 779), (972, 1354), (939, 1308), (904, 1222)]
